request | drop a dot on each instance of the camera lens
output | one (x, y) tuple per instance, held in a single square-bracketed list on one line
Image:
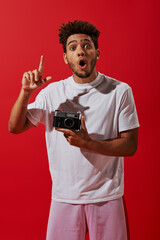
[(68, 122)]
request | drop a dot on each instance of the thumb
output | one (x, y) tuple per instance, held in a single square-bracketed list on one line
[(83, 125), (47, 79)]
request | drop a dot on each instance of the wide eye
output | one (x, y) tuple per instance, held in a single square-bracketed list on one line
[(72, 48), (87, 46)]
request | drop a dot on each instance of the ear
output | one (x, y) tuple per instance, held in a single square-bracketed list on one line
[(98, 53), (65, 58)]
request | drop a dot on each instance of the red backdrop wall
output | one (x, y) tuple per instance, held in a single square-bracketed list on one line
[(130, 52)]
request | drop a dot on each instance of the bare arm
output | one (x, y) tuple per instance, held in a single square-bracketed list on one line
[(32, 80), (18, 121), (125, 145)]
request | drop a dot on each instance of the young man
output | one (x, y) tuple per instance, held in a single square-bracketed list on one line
[(86, 166)]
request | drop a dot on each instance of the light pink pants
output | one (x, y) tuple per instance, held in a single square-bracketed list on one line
[(103, 221)]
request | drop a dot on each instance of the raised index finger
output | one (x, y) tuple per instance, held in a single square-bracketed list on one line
[(41, 65)]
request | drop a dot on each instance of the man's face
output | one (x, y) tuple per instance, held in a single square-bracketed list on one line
[(81, 55)]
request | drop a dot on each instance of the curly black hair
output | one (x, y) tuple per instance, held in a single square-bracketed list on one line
[(76, 27)]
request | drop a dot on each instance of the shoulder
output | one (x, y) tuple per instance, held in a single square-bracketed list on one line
[(55, 86), (113, 86), (120, 85)]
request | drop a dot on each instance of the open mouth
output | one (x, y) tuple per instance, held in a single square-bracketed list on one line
[(82, 63)]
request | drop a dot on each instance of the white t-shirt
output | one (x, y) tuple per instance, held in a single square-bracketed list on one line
[(80, 176)]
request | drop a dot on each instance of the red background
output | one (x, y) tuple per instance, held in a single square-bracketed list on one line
[(130, 52)]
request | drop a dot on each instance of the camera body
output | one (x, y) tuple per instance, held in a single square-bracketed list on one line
[(67, 120)]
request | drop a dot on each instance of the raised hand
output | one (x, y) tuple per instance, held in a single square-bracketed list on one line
[(33, 80)]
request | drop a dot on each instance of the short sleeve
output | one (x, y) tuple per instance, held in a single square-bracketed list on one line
[(128, 118), (37, 109)]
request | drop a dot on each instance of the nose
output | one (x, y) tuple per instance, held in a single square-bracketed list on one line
[(80, 51)]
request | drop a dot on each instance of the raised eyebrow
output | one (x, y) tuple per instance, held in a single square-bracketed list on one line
[(86, 39), (71, 42)]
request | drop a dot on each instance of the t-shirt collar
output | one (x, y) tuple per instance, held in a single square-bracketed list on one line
[(89, 85)]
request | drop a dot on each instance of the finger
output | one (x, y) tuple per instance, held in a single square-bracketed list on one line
[(61, 130), (26, 75), (41, 65), (47, 79), (66, 135), (31, 77), (65, 131), (83, 125), (36, 75)]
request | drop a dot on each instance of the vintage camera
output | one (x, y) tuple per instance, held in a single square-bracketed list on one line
[(67, 120)]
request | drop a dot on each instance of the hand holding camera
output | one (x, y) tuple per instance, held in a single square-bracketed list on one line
[(73, 127)]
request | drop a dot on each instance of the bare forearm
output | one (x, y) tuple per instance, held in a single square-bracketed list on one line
[(18, 116), (125, 145), (117, 147)]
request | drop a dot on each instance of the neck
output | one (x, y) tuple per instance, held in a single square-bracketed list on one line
[(81, 80)]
